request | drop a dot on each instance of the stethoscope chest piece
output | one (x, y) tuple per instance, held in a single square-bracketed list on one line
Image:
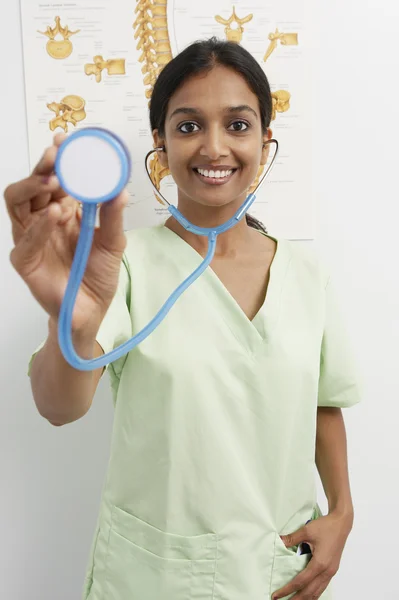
[(93, 165)]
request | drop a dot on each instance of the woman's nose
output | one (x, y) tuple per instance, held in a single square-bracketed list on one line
[(214, 144)]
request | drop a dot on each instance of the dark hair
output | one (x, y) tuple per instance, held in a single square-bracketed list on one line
[(202, 56)]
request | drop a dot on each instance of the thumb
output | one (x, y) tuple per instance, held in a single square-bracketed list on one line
[(110, 233), (295, 538)]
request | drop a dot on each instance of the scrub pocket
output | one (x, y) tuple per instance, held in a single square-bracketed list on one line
[(145, 563), (288, 564)]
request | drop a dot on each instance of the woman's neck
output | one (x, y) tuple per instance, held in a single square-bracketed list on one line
[(238, 239)]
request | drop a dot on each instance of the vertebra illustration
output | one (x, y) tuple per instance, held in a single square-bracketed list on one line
[(285, 39), (114, 66), (234, 26), (71, 109), (59, 49), (281, 102)]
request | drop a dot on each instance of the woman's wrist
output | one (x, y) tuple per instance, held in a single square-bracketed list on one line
[(344, 512), (83, 340)]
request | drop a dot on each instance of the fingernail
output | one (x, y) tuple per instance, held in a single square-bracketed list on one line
[(51, 180)]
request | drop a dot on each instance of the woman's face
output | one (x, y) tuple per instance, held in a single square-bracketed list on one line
[(213, 123)]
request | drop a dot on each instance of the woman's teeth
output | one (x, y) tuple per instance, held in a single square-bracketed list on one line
[(215, 174)]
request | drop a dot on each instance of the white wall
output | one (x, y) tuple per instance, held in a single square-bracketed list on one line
[(51, 478)]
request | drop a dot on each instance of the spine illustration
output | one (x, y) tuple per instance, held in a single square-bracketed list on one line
[(59, 49), (285, 39), (71, 109), (281, 102), (151, 31), (114, 66), (234, 26)]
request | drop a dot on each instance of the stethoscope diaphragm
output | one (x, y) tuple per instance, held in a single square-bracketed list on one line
[(93, 165)]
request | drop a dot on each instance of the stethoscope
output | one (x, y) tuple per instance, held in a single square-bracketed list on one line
[(93, 166)]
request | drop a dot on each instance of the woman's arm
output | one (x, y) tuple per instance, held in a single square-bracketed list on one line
[(61, 393), (332, 462), (326, 535)]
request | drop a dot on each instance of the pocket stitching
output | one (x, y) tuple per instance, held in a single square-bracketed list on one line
[(212, 543), (273, 562), (145, 557), (216, 567), (106, 580), (168, 562)]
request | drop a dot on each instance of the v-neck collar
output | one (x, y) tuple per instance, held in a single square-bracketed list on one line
[(250, 333)]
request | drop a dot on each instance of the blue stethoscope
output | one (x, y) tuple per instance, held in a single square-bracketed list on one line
[(93, 166)]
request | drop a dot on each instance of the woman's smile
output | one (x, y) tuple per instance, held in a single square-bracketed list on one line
[(215, 176)]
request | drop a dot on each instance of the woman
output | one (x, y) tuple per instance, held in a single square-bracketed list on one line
[(223, 412)]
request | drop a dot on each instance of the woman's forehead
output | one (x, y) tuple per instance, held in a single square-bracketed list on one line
[(217, 89)]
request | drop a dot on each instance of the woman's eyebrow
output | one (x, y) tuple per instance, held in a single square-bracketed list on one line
[(241, 108), (187, 110)]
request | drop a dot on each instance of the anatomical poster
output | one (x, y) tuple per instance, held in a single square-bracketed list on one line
[(94, 63)]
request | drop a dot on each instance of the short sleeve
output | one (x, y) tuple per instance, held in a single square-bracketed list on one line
[(115, 328), (33, 356), (338, 381)]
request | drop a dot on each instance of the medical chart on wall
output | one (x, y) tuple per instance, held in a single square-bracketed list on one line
[(94, 63)]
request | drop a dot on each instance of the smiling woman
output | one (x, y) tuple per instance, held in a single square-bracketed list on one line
[(225, 72), (218, 412)]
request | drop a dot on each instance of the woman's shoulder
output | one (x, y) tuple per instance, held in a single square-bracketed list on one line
[(305, 260), (142, 239)]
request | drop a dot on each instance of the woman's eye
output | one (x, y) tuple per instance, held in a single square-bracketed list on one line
[(239, 126), (188, 127)]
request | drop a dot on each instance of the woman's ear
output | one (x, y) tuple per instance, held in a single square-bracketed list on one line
[(266, 147), (159, 142)]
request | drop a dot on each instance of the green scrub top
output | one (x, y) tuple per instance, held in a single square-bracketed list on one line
[(213, 442)]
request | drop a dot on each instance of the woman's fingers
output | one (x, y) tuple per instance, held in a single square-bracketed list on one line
[(27, 254), (45, 166), (23, 191), (59, 138), (51, 192), (18, 197), (34, 193)]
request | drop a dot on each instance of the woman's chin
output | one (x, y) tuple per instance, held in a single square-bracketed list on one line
[(218, 203)]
